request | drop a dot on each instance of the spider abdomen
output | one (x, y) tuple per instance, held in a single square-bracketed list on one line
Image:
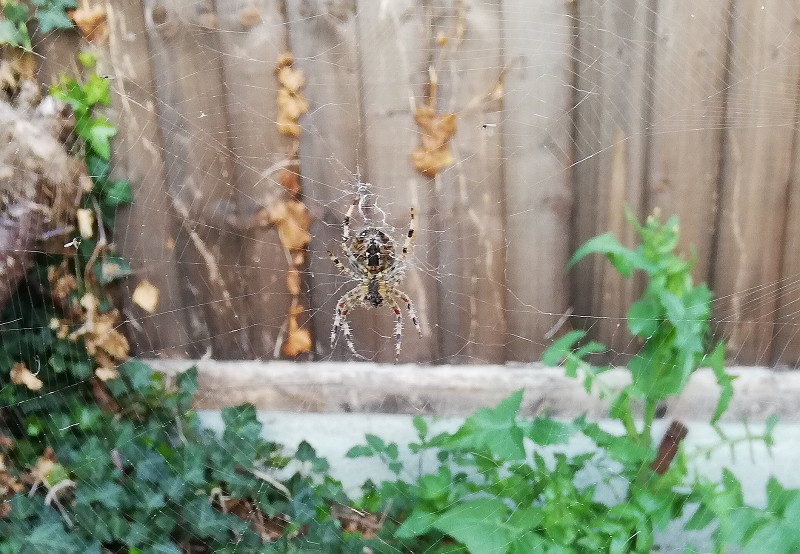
[(373, 295)]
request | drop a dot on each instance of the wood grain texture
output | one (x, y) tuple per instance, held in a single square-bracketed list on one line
[(252, 36), (615, 41), (466, 55), (537, 153), (144, 229), (323, 42), (187, 63), (459, 390), (688, 113), (394, 71), (758, 157), (786, 341)]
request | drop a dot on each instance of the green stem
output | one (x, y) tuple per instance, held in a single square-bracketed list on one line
[(649, 414), (627, 421)]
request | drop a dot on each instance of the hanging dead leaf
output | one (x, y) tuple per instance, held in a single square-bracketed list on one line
[(91, 23), (290, 78), (293, 281), (436, 130), (287, 126), (290, 181), (21, 375), (249, 17), (292, 220), (291, 103), (298, 340), (145, 295), (285, 59)]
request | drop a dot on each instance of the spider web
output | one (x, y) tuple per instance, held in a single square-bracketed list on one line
[(565, 114)]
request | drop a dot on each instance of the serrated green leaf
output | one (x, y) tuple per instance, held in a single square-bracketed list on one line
[(360, 451), (96, 89), (545, 431), (417, 523), (375, 442), (644, 317), (97, 131), (117, 192), (421, 426), (560, 347), (477, 524), (51, 18)]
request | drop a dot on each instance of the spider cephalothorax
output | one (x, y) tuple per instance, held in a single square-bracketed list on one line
[(373, 261)]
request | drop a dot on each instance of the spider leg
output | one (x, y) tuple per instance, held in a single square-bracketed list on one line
[(398, 325), (408, 246), (411, 313), (343, 269), (343, 307), (346, 223)]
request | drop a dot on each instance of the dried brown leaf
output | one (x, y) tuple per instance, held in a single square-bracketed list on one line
[(293, 281), (291, 105), (436, 130), (298, 340), (290, 181), (21, 375), (62, 282), (145, 295), (91, 23), (106, 373), (249, 17), (99, 331), (292, 220), (290, 78)]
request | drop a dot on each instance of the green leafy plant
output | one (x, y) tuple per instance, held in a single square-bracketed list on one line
[(505, 486), (48, 14)]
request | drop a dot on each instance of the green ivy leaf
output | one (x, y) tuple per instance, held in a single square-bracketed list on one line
[(52, 17), (716, 360), (96, 90), (97, 131), (493, 430), (117, 192), (477, 524), (51, 538), (417, 523), (561, 347), (112, 268), (545, 431), (360, 451)]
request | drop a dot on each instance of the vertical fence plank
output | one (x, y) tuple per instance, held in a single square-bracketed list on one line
[(394, 70), (56, 55), (537, 150), (786, 342), (688, 112), (187, 69), (615, 41), (252, 36), (143, 229), (757, 163), (323, 40), (469, 68)]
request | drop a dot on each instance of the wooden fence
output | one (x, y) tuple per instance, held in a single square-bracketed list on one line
[(566, 112)]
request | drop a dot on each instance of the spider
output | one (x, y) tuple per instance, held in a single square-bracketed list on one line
[(374, 262)]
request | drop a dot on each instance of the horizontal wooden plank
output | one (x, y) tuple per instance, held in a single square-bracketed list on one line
[(457, 390)]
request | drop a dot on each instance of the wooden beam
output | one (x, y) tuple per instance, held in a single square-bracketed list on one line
[(459, 390)]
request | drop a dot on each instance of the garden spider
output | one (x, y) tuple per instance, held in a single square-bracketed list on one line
[(373, 262)]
